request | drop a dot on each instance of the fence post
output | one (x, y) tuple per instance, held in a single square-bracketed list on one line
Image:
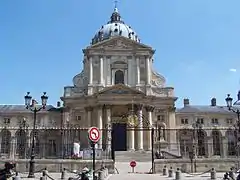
[(152, 139), (112, 144)]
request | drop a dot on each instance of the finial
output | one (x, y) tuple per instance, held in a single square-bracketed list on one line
[(115, 4)]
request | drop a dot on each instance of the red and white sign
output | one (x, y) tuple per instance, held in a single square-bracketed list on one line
[(133, 164), (94, 134)]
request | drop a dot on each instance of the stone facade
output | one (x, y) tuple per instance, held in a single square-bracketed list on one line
[(118, 89)]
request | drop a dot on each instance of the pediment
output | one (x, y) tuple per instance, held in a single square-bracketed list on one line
[(120, 43), (120, 89)]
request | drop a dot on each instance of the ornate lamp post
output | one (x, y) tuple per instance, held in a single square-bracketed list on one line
[(237, 112), (196, 127), (31, 105)]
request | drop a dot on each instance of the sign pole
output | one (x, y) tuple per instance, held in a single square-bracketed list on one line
[(94, 136), (94, 156)]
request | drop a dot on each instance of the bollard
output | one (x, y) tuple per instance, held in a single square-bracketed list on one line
[(165, 170), (100, 175), (213, 174), (231, 174), (44, 172), (178, 174), (17, 177), (107, 172), (170, 172), (63, 174)]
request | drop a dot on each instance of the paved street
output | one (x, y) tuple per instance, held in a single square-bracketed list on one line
[(124, 173)]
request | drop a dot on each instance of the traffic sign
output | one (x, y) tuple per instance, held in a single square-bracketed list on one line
[(94, 134), (133, 164)]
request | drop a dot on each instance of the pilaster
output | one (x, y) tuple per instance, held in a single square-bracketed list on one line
[(101, 70), (140, 127), (131, 135), (109, 127), (90, 88)]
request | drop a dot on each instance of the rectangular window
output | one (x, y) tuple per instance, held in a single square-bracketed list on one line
[(160, 118), (6, 120), (229, 121), (79, 118), (200, 120), (214, 121), (184, 121)]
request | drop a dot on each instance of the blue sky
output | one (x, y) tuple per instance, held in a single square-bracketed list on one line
[(196, 43)]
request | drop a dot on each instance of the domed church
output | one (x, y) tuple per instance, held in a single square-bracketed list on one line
[(119, 89)]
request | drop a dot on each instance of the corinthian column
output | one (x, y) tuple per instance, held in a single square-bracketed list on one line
[(148, 70), (90, 88), (131, 132), (100, 126), (109, 128), (138, 71), (101, 70), (140, 127), (149, 110)]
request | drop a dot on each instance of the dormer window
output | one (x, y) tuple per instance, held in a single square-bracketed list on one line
[(184, 121), (115, 30), (214, 121), (6, 120)]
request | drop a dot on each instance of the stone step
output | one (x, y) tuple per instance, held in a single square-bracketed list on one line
[(127, 156)]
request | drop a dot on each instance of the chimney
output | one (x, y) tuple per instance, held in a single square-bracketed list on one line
[(58, 104), (213, 102), (185, 102)]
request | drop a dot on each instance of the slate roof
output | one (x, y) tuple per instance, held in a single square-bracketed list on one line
[(206, 109), (19, 108)]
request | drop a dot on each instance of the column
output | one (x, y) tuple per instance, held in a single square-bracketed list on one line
[(138, 71), (209, 141), (89, 116), (129, 72), (90, 71), (131, 132), (100, 126), (224, 149), (109, 128), (101, 70), (173, 132), (149, 110), (90, 88), (148, 70), (140, 128)]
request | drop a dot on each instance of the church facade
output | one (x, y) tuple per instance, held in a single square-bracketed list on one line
[(119, 90)]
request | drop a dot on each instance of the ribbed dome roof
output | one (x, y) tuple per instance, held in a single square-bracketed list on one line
[(115, 27)]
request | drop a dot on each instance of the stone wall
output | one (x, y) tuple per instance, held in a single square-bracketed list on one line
[(55, 165), (202, 165)]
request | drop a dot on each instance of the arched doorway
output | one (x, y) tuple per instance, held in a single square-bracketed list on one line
[(119, 135), (186, 142), (119, 77), (216, 135), (201, 142)]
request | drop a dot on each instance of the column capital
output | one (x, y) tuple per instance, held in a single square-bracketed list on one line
[(89, 108), (108, 106), (139, 106), (100, 106), (149, 108), (171, 109), (101, 57)]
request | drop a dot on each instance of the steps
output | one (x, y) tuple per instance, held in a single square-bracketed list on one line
[(127, 156)]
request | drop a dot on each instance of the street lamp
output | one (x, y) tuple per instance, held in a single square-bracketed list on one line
[(31, 105), (196, 127), (236, 111)]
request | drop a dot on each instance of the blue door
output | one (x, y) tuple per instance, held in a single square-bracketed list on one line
[(120, 136)]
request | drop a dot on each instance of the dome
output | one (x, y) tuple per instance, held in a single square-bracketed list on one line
[(115, 27)]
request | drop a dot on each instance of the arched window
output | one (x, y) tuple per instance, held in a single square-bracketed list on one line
[(231, 143), (21, 143), (6, 139), (201, 143), (216, 143), (119, 77)]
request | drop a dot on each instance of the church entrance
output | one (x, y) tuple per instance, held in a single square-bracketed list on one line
[(120, 136)]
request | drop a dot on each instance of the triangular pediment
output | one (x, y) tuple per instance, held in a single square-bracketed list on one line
[(120, 89), (119, 42)]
